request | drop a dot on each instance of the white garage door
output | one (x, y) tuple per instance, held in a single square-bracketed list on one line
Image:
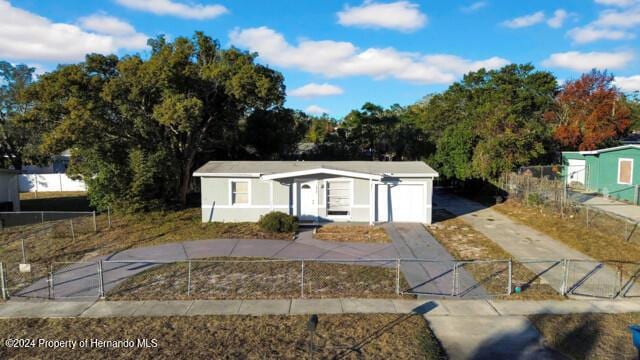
[(576, 169), (403, 203)]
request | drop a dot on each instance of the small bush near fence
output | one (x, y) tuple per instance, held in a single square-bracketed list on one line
[(277, 221)]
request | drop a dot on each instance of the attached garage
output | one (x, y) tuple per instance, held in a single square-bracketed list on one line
[(401, 202)]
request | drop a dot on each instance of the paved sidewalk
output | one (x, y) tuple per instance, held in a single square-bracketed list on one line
[(467, 329), (587, 277), (429, 308), (429, 278)]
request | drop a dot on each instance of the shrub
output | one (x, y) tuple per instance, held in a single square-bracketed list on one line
[(535, 199), (277, 221)]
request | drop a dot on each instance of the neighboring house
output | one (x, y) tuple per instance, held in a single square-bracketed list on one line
[(58, 165), (613, 172), (9, 194), (317, 191)]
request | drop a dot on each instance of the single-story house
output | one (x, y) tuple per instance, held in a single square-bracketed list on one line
[(611, 171), (9, 194), (317, 191)]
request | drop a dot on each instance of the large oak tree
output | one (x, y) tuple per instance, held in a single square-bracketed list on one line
[(139, 126)]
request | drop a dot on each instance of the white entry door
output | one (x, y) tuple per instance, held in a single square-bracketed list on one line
[(309, 201), (407, 203)]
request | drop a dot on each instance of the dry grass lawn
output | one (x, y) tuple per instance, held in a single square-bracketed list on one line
[(589, 336), (464, 243), (243, 278), (598, 244), (232, 337), (353, 233)]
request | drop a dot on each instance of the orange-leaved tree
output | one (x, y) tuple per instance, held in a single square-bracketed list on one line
[(589, 112)]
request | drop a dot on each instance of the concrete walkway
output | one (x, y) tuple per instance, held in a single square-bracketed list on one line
[(467, 329), (429, 278), (537, 251), (619, 208), (81, 280), (430, 308)]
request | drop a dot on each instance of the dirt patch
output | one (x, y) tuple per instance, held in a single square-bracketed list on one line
[(245, 278), (589, 336), (465, 243), (231, 337), (353, 233)]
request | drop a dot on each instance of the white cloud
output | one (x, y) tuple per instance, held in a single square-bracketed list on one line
[(169, 7), (628, 18), (104, 24), (400, 15), (474, 7), (316, 110), (30, 37), (610, 25), (621, 3), (525, 21), (339, 59), (587, 34), (559, 16), (315, 90), (628, 83), (578, 61)]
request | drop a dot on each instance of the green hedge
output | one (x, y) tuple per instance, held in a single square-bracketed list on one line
[(277, 221)]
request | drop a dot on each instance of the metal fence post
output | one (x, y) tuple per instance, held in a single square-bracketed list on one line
[(3, 283), (302, 279), (95, 226), (510, 284), (398, 276), (189, 280), (73, 233), (109, 216), (565, 276), (24, 253), (52, 293), (455, 276), (101, 280), (42, 216)]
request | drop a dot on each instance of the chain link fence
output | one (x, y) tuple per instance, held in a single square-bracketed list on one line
[(269, 279), (544, 187)]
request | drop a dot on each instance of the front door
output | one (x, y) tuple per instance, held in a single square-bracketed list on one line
[(309, 201)]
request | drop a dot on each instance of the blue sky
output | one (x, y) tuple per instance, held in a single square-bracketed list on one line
[(336, 55)]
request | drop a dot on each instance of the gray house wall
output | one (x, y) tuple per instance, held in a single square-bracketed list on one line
[(215, 196)]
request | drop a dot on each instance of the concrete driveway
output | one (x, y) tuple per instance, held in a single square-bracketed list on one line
[(431, 274)]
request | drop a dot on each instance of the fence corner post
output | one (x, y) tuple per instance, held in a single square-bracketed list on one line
[(101, 280), (95, 225), (398, 276), (302, 279)]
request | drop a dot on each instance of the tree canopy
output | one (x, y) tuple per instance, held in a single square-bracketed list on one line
[(139, 127)]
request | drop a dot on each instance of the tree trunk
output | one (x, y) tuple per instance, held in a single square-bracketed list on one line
[(185, 180)]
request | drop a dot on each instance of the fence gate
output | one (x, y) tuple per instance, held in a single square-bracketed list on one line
[(592, 279), (69, 280)]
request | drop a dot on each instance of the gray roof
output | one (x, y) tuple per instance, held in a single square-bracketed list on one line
[(257, 168)]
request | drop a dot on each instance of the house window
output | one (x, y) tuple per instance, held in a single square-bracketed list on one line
[(625, 171), (338, 198), (239, 193)]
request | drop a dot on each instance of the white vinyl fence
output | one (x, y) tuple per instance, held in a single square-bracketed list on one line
[(49, 182)]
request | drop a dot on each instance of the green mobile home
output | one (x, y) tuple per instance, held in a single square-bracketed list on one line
[(613, 172)]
